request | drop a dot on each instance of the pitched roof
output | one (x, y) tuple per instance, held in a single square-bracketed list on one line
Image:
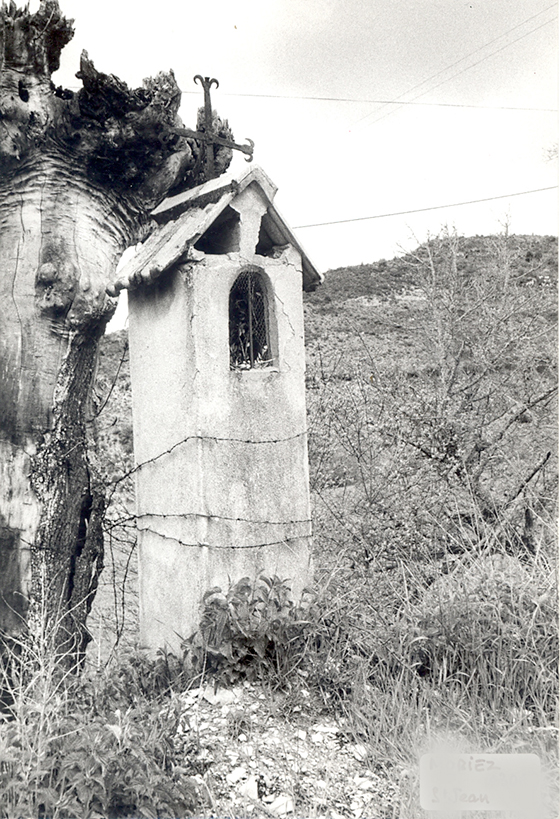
[(186, 217)]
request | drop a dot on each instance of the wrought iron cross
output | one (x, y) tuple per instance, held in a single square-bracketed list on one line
[(207, 136)]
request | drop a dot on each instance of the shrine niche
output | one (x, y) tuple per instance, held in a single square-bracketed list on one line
[(219, 419)]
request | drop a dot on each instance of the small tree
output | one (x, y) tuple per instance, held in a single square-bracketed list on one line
[(449, 449)]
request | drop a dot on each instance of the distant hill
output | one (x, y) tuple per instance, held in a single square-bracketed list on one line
[(532, 258)]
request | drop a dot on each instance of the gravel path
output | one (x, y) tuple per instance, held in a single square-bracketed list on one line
[(257, 756)]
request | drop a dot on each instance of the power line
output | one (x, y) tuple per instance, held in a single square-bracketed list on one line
[(419, 85), (368, 101), (423, 210), (493, 53), (448, 79), (472, 53), (462, 59), (385, 102)]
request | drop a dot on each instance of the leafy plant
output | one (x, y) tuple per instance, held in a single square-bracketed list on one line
[(251, 631), (95, 747)]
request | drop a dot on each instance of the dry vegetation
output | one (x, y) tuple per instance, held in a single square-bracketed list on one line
[(433, 405), (431, 395)]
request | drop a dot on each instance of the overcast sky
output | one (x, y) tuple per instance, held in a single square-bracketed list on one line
[(471, 61)]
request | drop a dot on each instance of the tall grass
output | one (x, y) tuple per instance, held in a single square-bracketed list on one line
[(434, 483), (468, 663), (96, 746)]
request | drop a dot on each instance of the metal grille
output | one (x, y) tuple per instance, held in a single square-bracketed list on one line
[(249, 345)]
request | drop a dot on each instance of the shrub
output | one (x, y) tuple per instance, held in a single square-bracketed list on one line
[(490, 626), (77, 747), (443, 439)]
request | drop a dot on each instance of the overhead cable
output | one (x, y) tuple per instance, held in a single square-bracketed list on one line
[(396, 101), (422, 210), (386, 102), (462, 59)]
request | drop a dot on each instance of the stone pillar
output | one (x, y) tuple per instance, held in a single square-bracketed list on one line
[(222, 473)]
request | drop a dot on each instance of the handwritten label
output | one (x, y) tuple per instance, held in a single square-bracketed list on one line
[(480, 782)]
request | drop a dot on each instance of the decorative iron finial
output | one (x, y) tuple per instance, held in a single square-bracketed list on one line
[(208, 136)]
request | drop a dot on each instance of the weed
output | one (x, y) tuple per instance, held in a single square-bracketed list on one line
[(98, 746), (253, 631)]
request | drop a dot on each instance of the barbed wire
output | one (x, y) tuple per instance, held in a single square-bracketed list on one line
[(175, 515), (230, 546), (205, 438)]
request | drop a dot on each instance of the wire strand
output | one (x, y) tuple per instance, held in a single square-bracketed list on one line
[(215, 546), (458, 73), (106, 400), (396, 101), (423, 210), (216, 438), (462, 59), (221, 517), (389, 102)]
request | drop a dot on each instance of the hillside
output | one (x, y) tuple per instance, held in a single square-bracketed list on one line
[(384, 300), (377, 318), (370, 317), (532, 258), (431, 391)]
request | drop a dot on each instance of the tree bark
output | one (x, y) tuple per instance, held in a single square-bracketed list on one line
[(79, 174)]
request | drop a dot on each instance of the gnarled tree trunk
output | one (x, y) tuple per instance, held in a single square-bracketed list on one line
[(79, 174)]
